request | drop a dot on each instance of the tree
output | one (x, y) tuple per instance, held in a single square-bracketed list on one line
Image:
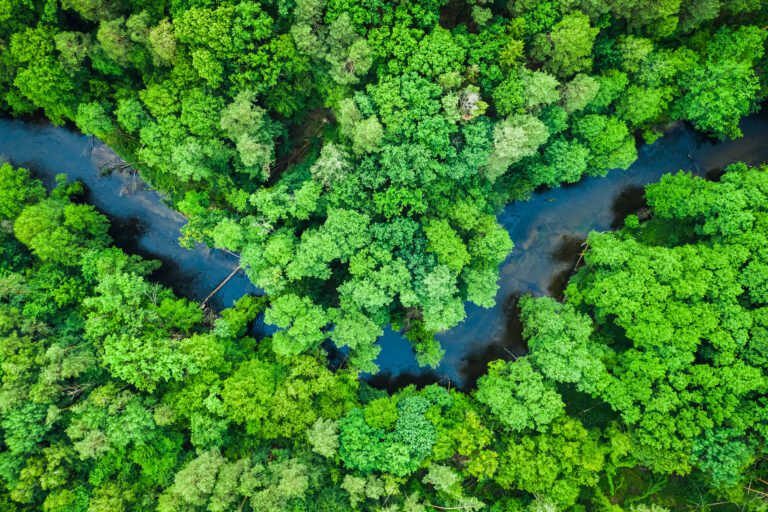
[(358, 332), (249, 393), (514, 138), (634, 52), (722, 88), (447, 245), (115, 394), (518, 396), (342, 234), (324, 437), (439, 297), (274, 401), (332, 166), (92, 119), (17, 190), (135, 323), (555, 464), (131, 115), (563, 162), (558, 338), (162, 43), (658, 19), (199, 112), (643, 105), (567, 48), (114, 40), (730, 87), (61, 232), (302, 323), (579, 92), (397, 450), (608, 140), (73, 48), (540, 89), (93, 10), (110, 419), (348, 54), (196, 482), (612, 85), (367, 135), (250, 128), (48, 86), (509, 96), (676, 294)]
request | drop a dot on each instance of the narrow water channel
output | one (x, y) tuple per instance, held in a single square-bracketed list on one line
[(547, 230), (141, 222)]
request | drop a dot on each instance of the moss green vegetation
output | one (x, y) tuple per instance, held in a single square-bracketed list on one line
[(355, 151), (644, 390)]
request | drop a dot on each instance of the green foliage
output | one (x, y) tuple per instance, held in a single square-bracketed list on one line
[(324, 437), (306, 124), (355, 153), (447, 245), (107, 379), (579, 92), (396, 447), (17, 190), (724, 86), (609, 142), (555, 464), (676, 288), (59, 231), (567, 48), (558, 338), (514, 139), (518, 396), (274, 400), (301, 322)]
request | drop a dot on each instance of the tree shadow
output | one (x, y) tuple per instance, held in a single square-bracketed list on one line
[(510, 346), (628, 201)]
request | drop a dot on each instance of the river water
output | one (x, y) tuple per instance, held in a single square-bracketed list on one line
[(547, 230), (141, 222)]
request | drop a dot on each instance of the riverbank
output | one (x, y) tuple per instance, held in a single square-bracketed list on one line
[(548, 231), (142, 222)]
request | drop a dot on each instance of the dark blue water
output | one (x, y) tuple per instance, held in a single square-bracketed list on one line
[(141, 222), (547, 231)]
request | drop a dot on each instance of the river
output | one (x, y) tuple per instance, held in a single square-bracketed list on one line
[(142, 223), (547, 230)]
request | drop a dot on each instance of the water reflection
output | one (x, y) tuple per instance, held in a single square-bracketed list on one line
[(548, 231), (141, 222), (630, 200)]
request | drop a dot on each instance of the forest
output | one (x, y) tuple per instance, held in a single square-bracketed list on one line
[(354, 154)]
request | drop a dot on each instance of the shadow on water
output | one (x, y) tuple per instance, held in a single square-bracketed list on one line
[(548, 231), (715, 174), (141, 222), (510, 345), (393, 382), (630, 200), (125, 233), (568, 252)]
